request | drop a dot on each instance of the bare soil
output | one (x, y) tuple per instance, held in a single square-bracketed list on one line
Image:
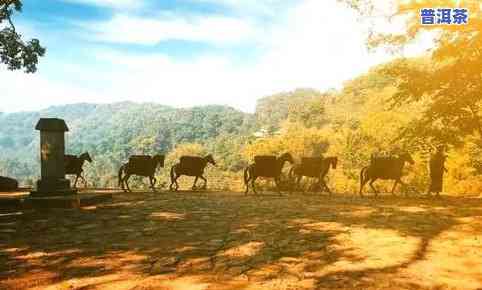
[(197, 241)]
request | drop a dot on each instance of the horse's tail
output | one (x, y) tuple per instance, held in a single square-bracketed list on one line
[(119, 175), (363, 177)]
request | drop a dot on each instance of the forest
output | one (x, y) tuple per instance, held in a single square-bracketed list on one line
[(365, 117)]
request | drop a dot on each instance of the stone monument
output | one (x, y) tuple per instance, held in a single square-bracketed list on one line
[(52, 152)]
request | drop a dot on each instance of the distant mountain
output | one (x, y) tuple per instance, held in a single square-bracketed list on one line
[(116, 130), (112, 132), (94, 126)]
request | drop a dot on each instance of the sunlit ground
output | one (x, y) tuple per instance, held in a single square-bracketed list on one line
[(194, 241)]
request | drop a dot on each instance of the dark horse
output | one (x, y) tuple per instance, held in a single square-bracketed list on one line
[(190, 166), (267, 167), (74, 164), (388, 168), (320, 171), (141, 165)]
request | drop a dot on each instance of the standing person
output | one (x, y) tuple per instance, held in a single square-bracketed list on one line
[(437, 170)]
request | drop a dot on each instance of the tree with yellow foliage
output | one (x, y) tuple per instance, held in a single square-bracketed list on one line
[(451, 84)]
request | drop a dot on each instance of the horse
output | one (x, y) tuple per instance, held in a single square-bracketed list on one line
[(387, 168), (267, 167), (319, 172), (74, 164), (190, 166), (141, 165)]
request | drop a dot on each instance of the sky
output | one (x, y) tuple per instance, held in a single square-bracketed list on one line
[(185, 53)]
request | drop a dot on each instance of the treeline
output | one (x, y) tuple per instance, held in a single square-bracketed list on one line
[(113, 132), (361, 119)]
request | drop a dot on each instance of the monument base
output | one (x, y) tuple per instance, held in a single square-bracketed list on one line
[(70, 201), (53, 187)]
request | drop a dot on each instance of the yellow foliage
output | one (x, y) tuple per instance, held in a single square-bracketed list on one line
[(293, 138)]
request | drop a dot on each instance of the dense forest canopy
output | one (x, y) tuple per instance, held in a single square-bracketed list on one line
[(113, 132), (450, 84)]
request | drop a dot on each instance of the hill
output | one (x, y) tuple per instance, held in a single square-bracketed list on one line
[(115, 131), (352, 123)]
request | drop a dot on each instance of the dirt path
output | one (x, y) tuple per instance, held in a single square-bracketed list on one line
[(228, 241)]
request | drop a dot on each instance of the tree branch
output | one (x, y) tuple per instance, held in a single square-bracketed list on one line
[(11, 22)]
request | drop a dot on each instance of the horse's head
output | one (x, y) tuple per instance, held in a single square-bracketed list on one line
[(210, 159), (85, 156), (406, 157), (159, 159), (333, 160), (286, 157)]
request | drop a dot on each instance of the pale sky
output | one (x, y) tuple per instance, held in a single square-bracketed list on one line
[(185, 52)]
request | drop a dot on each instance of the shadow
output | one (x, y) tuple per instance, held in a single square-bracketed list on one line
[(231, 242)]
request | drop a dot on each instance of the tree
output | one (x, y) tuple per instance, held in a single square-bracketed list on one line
[(310, 113), (14, 52), (451, 84)]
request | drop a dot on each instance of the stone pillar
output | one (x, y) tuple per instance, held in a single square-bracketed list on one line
[(52, 154)]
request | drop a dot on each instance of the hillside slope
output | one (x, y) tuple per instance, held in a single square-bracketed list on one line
[(114, 131)]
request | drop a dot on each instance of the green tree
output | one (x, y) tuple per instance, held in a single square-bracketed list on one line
[(450, 84), (15, 52)]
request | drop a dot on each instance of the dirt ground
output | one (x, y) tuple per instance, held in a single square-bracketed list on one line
[(197, 241)]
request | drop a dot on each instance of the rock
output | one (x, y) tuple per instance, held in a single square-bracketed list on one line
[(8, 184)]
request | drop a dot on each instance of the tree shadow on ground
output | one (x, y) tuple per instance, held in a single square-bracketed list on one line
[(229, 241)]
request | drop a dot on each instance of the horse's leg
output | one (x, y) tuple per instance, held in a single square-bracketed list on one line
[(252, 184), (205, 182), (276, 182), (194, 184), (317, 186), (152, 180), (298, 182), (394, 186), (122, 183), (364, 177), (324, 186), (290, 186), (246, 178), (76, 179), (83, 179), (172, 174), (372, 187), (126, 180), (246, 182), (175, 182), (171, 185)]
